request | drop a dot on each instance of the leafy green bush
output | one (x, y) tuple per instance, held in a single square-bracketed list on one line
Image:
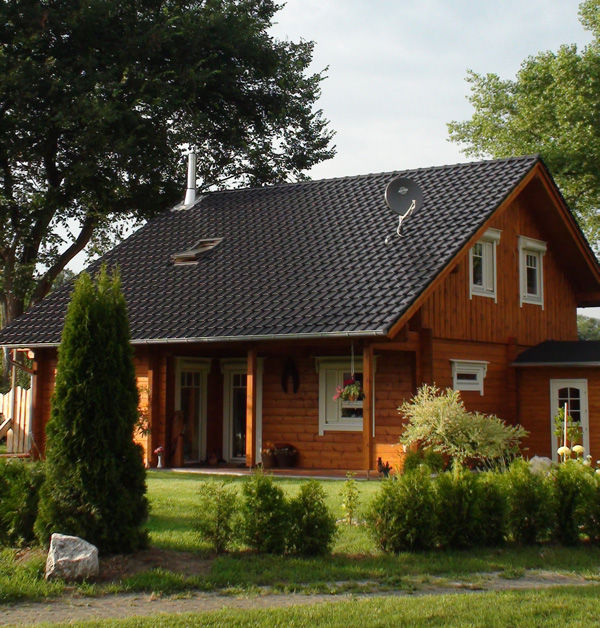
[(493, 509), (458, 506), (95, 478), (217, 510), (20, 483), (439, 420), (312, 525), (531, 513), (402, 516), (576, 491), (265, 520), (428, 458)]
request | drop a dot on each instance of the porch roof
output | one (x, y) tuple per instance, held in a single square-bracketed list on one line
[(305, 259), (561, 353)]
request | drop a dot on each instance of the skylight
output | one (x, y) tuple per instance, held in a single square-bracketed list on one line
[(192, 255)]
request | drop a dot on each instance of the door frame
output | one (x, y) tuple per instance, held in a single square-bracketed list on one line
[(582, 384), (195, 365), (229, 368)]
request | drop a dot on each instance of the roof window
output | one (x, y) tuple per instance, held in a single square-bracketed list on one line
[(192, 255)]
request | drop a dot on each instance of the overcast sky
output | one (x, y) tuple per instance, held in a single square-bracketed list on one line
[(397, 69)]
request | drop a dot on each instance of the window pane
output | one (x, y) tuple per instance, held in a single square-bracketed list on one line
[(478, 264)]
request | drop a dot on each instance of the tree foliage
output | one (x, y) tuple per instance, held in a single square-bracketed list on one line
[(551, 107), (95, 480), (588, 328), (97, 99)]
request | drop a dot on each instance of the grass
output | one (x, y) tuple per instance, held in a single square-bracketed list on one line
[(355, 565), (559, 608)]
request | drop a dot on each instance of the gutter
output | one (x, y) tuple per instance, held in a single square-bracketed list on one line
[(213, 339), (580, 364)]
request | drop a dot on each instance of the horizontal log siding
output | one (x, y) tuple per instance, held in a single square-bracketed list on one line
[(451, 314), (294, 418), (534, 405)]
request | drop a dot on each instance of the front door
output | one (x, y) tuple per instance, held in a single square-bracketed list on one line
[(572, 392), (191, 401)]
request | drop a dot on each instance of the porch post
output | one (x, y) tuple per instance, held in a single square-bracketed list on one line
[(367, 433), (251, 388)]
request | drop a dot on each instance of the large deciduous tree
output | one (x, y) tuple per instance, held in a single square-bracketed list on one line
[(97, 99), (552, 107)]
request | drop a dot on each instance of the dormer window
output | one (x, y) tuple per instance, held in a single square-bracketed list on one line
[(191, 255), (482, 265)]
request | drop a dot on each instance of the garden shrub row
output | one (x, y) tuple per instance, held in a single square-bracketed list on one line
[(264, 520), (461, 509)]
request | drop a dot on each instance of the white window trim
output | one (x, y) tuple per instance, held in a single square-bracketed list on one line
[(537, 247), (472, 367), (490, 236), (322, 366)]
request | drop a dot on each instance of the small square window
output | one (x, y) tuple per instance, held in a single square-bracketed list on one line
[(531, 254), (468, 374), (482, 265)]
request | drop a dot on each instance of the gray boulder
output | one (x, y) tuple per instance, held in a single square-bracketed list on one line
[(71, 558)]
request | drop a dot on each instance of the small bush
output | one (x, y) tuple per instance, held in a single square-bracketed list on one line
[(576, 490), (402, 515), (265, 515), (493, 508), (350, 498), (20, 483), (428, 458), (217, 509), (312, 525), (458, 506), (531, 504)]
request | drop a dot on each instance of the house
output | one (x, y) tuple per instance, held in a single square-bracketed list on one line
[(248, 308)]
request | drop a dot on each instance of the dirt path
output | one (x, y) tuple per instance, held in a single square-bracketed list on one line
[(67, 609)]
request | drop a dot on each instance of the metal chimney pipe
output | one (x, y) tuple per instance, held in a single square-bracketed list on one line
[(190, 193)]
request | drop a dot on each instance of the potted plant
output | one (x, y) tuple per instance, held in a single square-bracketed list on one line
[(350, 390), (268, 456), (286, 455), (159, 451)]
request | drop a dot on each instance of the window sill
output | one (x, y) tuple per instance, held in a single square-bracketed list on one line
[(341, 427), (532, 301), (482, 293)]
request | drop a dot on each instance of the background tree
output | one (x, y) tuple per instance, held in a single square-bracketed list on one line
[(95, 479), (97, 99), (552, 107), (588, 328)]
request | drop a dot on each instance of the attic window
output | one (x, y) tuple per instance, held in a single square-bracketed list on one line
[(192, 255)]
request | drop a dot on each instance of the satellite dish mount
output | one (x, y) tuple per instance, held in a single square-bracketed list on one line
[(404, 197)]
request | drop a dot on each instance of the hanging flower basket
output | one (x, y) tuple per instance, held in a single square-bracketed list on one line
[(350, 390)]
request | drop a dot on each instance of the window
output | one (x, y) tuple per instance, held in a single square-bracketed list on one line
[(482, 265), (337, 414), (192, 255), (468, 374), (531, 253)]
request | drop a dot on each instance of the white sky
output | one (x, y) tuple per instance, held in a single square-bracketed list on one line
[(397, 69)]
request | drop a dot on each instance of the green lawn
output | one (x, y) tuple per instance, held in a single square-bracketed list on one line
[(555, 608), (356, 564)]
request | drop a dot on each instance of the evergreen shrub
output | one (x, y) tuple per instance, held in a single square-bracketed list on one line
[(402, 515), (95, 479), (20, 483), (265, 517), (493, 508), (531, 504), (312, 525), (216, 514)]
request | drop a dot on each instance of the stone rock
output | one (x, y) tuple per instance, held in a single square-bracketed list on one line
[(71, 558), (540, 464)]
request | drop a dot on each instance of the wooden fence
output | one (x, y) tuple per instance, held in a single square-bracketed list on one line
[(18, 436)]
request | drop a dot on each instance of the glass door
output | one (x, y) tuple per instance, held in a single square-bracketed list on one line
[(573, 393), (191, 401), (237, 418)]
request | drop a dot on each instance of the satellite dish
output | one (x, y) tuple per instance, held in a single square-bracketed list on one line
[(401, 193), (404, 197)]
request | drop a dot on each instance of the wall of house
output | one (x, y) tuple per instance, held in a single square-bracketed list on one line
[(534, 405), (293, 418), (451, 314)]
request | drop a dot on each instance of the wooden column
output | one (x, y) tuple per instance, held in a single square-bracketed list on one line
[(251, 375), (367, 370)]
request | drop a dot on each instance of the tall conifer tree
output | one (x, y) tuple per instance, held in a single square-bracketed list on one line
[(95, 484)]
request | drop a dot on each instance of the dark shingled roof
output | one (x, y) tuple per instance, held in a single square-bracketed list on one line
[(561, 352), (301, 258)]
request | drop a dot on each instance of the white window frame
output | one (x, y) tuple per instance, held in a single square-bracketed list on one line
[(537, 248), (335, 424), (469, 367), (489, 242)]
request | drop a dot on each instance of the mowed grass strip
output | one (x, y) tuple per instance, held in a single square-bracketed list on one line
[(559, 608)]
